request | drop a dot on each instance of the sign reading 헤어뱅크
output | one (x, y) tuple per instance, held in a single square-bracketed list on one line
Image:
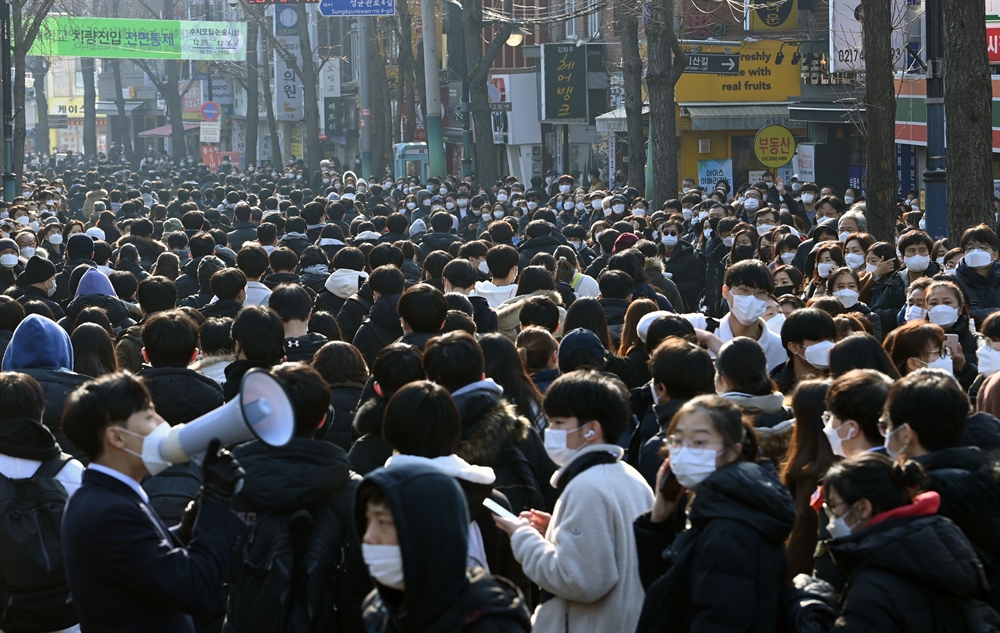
[(564, 83), (65, 36), (774, 146)]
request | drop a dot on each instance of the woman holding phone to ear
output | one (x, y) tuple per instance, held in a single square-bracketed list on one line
[(726, 570)]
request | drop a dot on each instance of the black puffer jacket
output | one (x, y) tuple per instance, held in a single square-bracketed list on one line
[(614, 312), (344, 399), (354, 311), (307, 474), (303, 348), (379, 329), (222, 308), (435, 241), (57, 385), (534, 246), (121, 313), (902, 573), (181, 394), (65, 272), (727, 571), (688, 274), (494, 435), (187, 283)]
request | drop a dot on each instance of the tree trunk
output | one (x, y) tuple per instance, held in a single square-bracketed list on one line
[(253, 96), (89, 108), (666, 64), (272, 123), (125, 126), (969, 142), (172, 96), (310, 95), (381, 105), (42, 105), (880, 108), (26, 16), (486, 167), (627, 20)]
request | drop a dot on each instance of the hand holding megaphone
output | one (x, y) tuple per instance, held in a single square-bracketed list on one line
[(221, 475), (261, 411)]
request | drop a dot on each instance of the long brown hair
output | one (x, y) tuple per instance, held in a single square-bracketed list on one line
[(810, 455), (630, 336)]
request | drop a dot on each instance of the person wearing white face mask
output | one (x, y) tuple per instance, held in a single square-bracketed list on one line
[(747, 285), (854, 406), (829, 257), (946, 308), (124, 568), (682, 263), (914, 248), (419, 560), (920, 344), (844, 285), (583, 554), (979, 271), (874, 512), (739, 518), (808, 336)]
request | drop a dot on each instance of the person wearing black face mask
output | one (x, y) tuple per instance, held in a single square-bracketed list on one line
[(787, 281), (742, 248)]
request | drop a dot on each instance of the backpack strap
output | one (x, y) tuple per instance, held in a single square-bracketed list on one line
[(577, 278), (52, 467)]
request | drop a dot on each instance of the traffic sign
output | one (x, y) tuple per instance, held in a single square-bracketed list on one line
[(501, 106), (210, 132), (357, 8), (774, 146), (713, 64), (210, 111)]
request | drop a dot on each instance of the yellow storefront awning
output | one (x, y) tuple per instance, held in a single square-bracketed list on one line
[(735, 116)]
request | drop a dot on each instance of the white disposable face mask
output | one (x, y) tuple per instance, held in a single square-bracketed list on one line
[(807, 198), (532, 205), (702, 215), (426, 201), (638, 212), (843, 235), (23, 219), (618, 209), (944, 363), (943, 315), (751, 204), (483, 267), (498, 214), (564, 189), (764, 229), (596, 205), (917, 263), (888, 440), (568, 205), (848, 199), (555, 445), (501, 197), (28, 252), (847, 297), (728, 241), (411, 205), (150, 455), (838, 527), (818, 354), (796, 186), (52, 290), (825, 269), (787, 258), (670, 240), (463, 202), (914, 313), (385, 564), (449, 205), (989, 359), (837, 442), (691, 467), (978, 258), (922, 224), (707, 233), (443, 190), (747, 309), (870, 269), (686, 213), (854, 260)]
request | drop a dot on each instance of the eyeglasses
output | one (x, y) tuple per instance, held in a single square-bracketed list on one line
[(982, 247), (829, 509), (698, 447), (827, 418), (746, 291), (883, 427)]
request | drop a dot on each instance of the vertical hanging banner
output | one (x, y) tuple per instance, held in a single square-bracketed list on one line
[(288, 102), (564, 83), (65, 36)]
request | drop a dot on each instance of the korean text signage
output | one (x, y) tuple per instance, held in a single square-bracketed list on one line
[(846, 43), (993, 42), (288, 102), (357, 8), (756, 75), (768, 15), (710, 172), (564, 83), (774, 146), (62, 36)]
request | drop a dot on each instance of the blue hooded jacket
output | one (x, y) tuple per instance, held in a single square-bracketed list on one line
[(38, 343), (94, 282)]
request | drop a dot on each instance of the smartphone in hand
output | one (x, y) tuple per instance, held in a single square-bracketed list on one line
[(670, 487), (499, 510)]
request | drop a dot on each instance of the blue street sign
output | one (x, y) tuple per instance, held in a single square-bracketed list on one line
[(357, 8)]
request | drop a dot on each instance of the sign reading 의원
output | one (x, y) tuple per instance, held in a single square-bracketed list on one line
[(564, 83), (64, 36), (774, 146)]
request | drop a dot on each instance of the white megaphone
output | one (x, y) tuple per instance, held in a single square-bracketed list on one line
[(261, 411)]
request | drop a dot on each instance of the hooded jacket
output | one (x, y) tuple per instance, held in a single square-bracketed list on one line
[(432, 525), (495, 295), (314, 277), (435, 241), (509, 313), (187, 283), (370, 450), (765, 411), (586, 558), (354, 311), (379, 329), (149, 249), (307, 473), (687, 272), (181, 394), (95, 290), (534, 246), (242, 232), (901, 571), (984, 292), (338, 287), (493, 435), (42, 349), (727, 570)]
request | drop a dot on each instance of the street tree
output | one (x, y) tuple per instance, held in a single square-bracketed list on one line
[(665, 66)]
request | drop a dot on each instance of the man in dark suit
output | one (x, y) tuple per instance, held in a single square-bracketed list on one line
[(127, 571)]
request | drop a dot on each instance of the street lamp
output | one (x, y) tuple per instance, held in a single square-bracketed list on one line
[(516, 36)]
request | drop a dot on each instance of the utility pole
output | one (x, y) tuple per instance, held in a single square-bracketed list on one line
[(936, 175), (365, 85), (6, 41), (432, 80)]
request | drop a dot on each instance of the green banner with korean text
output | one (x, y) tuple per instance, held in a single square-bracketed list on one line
[(65, 36)]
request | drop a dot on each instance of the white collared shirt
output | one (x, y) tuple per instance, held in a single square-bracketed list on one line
[(122, 477), (769, 341)]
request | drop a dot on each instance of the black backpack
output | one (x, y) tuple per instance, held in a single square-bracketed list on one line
[(287, 576), (33, 582), (170, 491)]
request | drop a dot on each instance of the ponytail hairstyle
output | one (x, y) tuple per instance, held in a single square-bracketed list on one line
[(566, 264), (535, 346), (887, 485)]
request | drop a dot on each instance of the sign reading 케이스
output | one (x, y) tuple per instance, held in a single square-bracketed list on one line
[(65, 36), (774, 146), (564, 83)]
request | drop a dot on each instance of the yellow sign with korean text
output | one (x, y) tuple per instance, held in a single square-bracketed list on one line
[(765, 76), (772, 15), (774, 146)]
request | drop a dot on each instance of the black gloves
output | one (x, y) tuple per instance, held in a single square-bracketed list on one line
[(221, 475)]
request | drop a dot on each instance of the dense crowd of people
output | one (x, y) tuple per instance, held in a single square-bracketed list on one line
[(546, 406)]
